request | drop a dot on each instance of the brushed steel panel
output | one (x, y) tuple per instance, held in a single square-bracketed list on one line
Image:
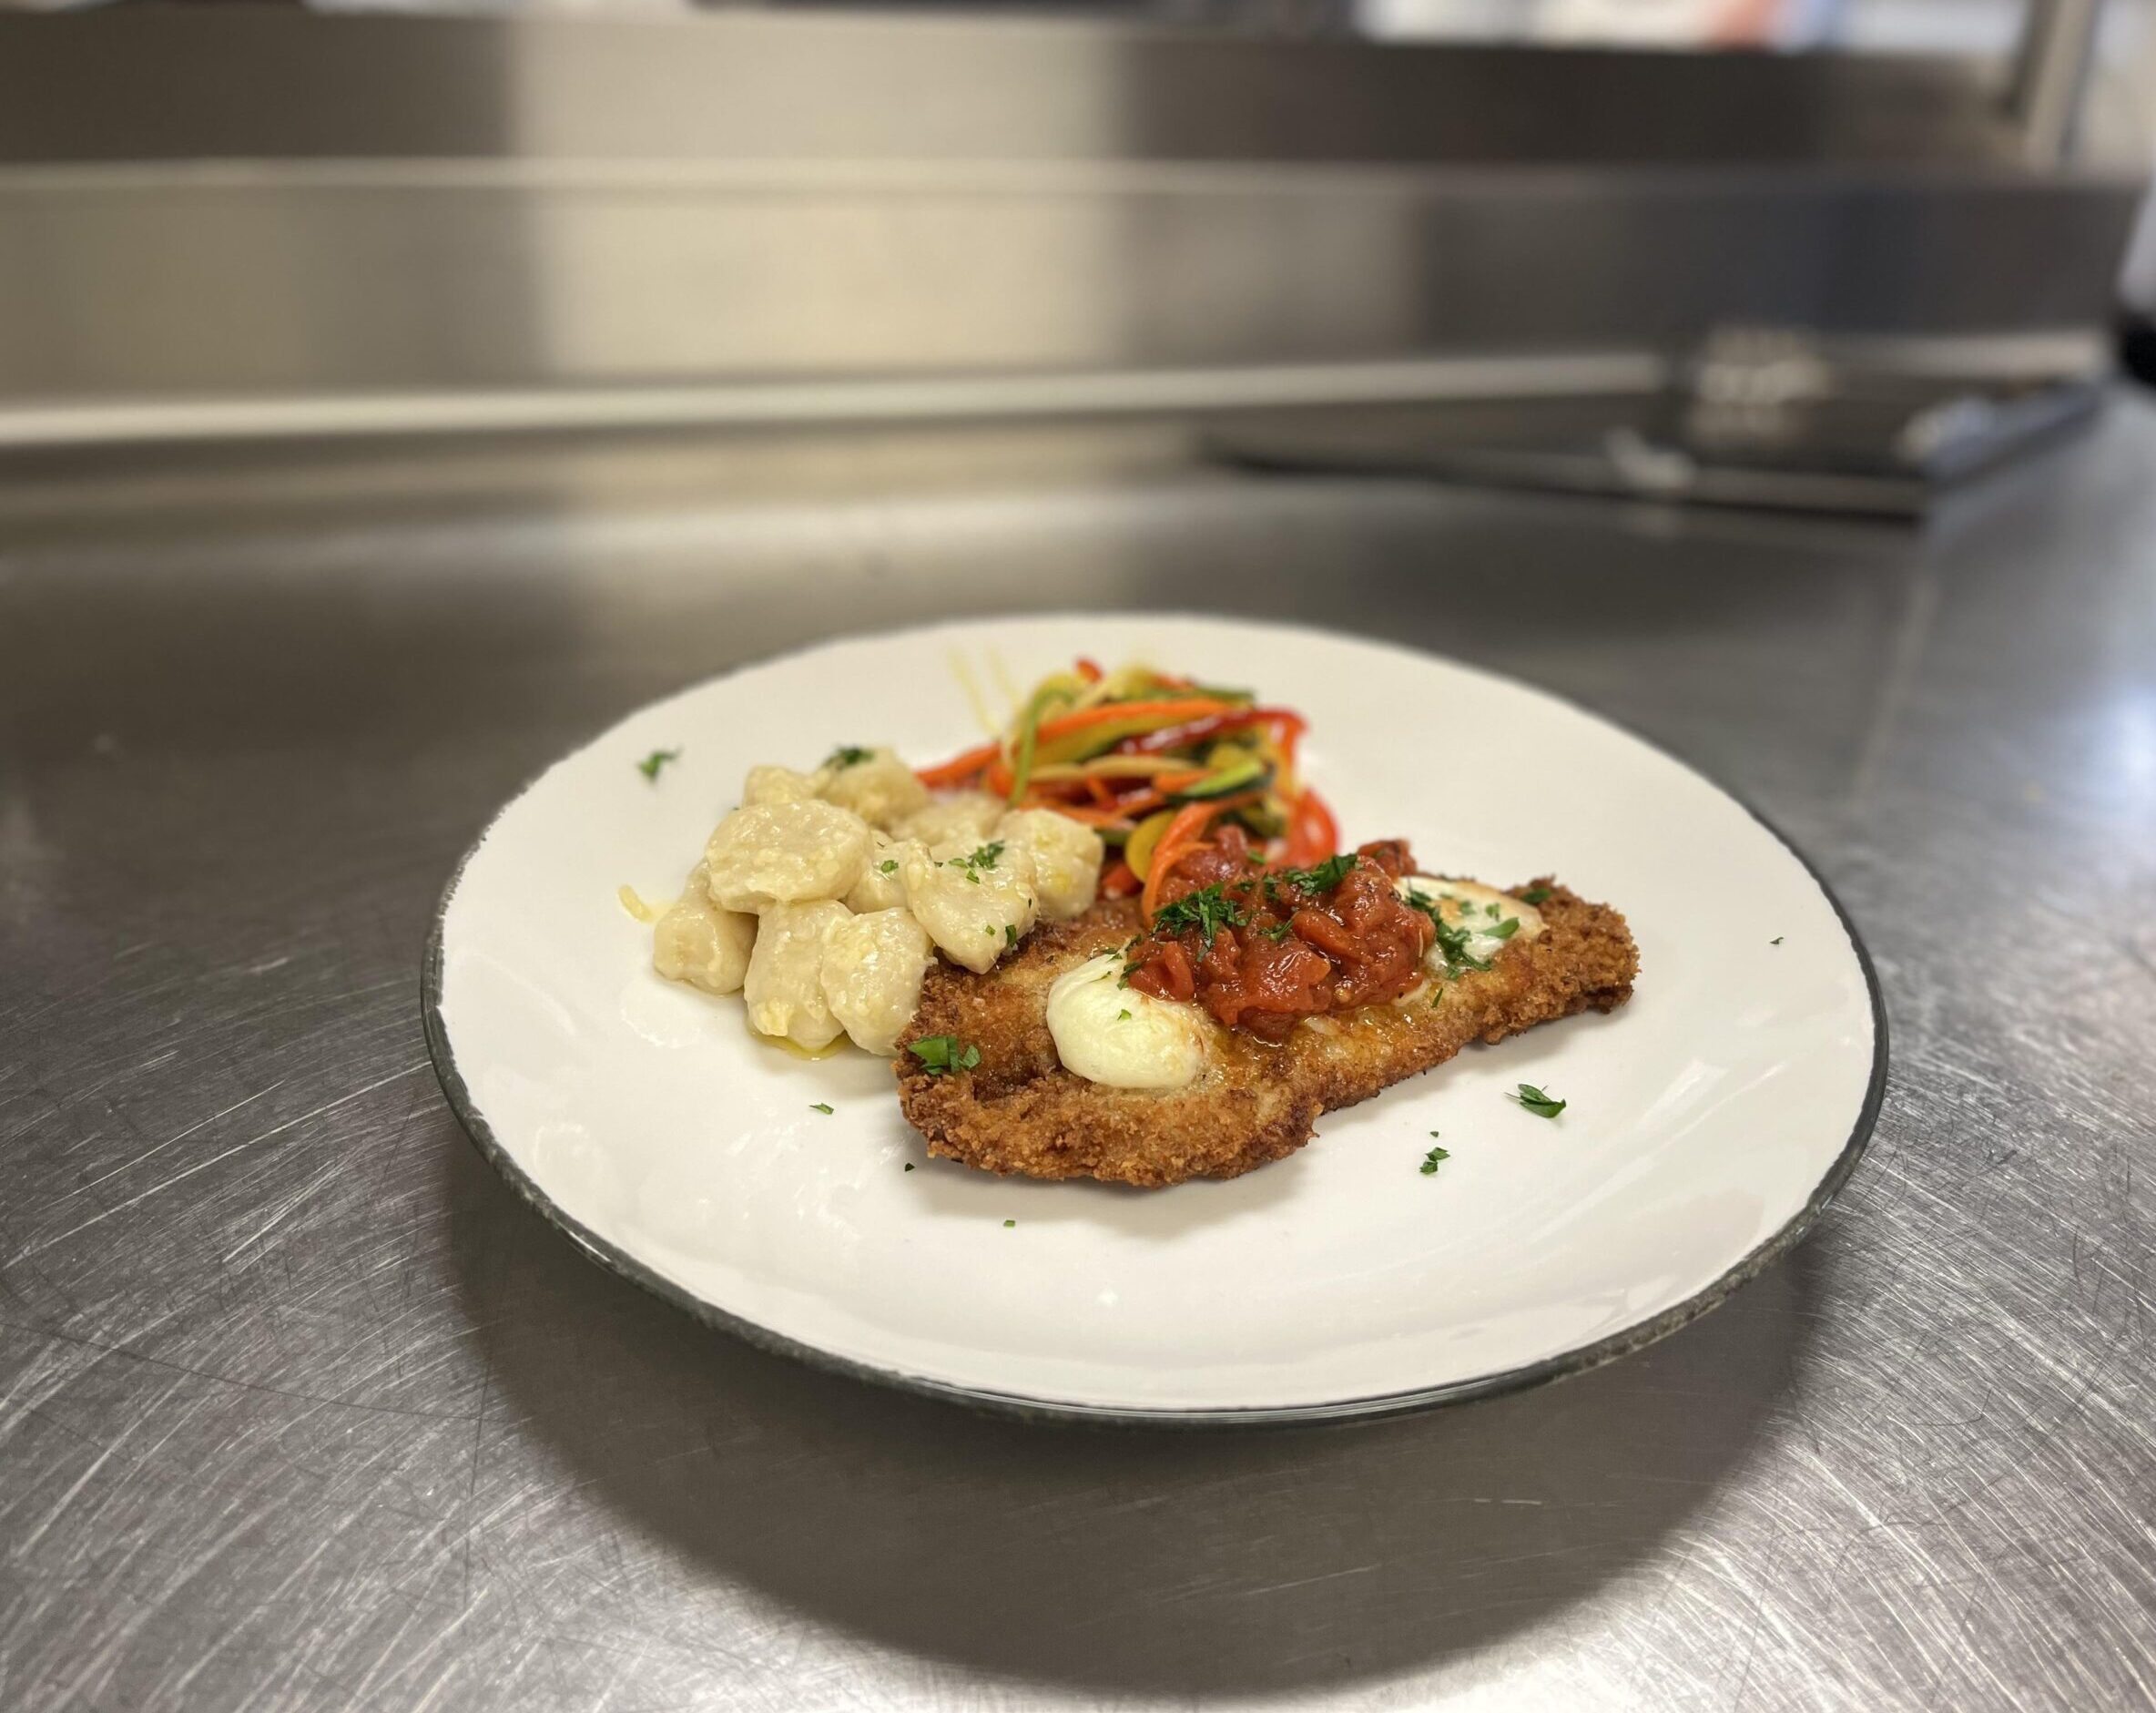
[(301, 1409)]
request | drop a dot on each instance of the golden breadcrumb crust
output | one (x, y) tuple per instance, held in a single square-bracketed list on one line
[(1019, 1111)]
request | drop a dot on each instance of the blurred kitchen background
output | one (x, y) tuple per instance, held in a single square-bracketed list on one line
[(1838, 255)]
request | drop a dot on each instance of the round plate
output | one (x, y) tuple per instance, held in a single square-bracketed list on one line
[(1708, 1121)]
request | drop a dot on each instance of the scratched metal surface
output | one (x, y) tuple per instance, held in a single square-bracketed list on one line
[(299, 1409)]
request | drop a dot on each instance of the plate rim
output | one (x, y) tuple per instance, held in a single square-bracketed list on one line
[(1023, 1406)]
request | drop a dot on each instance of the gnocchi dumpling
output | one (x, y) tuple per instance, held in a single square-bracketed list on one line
[(975, 900), (1067, 856), (968, 815), (785, 853), (784, 986), (875, 784), (881, 886), (778, 785), (700, 943), (873, 967)]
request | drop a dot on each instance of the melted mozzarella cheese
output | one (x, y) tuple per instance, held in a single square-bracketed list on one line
[(1119, 1036), (1483, 910)]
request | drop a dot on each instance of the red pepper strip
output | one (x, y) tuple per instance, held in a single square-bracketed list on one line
[(960, 768), (1117, 881), (1312, 833), (999, 777), (1090, 670), (1287, 726), (1184, 709), (1097, 789)]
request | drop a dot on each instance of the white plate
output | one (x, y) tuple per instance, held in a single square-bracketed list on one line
[(1708, 1121)]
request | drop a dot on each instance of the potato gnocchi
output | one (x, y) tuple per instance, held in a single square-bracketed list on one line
[(825, 896)]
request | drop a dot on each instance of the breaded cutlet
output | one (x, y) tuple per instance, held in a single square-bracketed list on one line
[(1020, 1111)]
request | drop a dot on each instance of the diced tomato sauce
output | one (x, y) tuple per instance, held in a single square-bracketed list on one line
[(1279, 950)]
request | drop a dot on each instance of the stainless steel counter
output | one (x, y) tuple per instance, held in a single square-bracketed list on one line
[(299, 1408)]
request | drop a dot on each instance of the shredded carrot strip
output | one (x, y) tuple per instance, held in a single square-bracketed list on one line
[(960, 768), (1095, 817), (1187, 829), (1194, 708)]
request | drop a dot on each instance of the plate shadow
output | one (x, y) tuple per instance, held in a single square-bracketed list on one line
[(1117, 1561)]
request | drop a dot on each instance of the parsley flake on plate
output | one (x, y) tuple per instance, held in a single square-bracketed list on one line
[(1543, 1106), (848, 755), (823, 1106), (1535, 895), (651, 764)]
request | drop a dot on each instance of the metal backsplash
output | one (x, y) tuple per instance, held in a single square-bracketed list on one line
[(233, 221)]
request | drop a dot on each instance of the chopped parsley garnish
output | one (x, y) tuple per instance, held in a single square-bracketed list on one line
[(1434, 1159), (889, 865), (939, 1055), (1122, 1016), (823, 1106), (1543, 1106), (1010, 935), (848, 755), (651, 764), (1452, 940), (1315, 881), (1535, 895), (909, 1164), (1278, 932), (1775, 941), (1505, 930), (983, 858), (1205, 913), (1490, 910), (1009, 1223)]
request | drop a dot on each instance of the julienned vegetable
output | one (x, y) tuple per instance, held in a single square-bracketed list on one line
[(1156, 764)]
